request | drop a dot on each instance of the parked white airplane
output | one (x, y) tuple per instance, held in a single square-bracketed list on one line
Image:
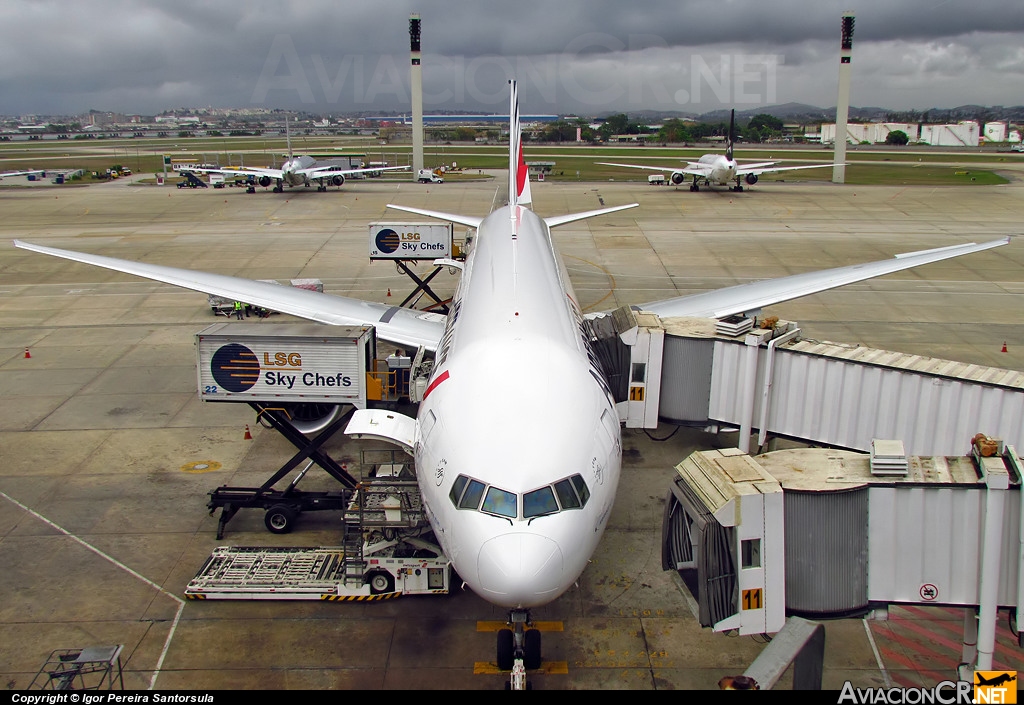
[(296, 171), (517, 442), (21, 173), (719, 170)]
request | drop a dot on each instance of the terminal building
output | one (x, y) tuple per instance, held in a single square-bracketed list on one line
[(966, 133)]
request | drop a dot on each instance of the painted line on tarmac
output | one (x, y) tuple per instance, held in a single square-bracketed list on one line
[(878, 657), (122, 566)]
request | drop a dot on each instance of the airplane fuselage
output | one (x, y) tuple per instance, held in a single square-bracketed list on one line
[(516, 404), (723, 169), (290, 169)]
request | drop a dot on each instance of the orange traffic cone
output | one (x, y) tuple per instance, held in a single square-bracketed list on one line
[(1004, 350), (28, 354), (389, 292), (248, 436)]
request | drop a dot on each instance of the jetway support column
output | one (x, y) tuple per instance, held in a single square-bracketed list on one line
[(1011, 455), (769, 373), (997, 480), (969, 653), (753, 342)]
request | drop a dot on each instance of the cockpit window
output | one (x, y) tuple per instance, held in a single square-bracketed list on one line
[(540, 502), (566, 496), (471, 499), (581, 489), (457, 487), (500, 502), (570, 493)]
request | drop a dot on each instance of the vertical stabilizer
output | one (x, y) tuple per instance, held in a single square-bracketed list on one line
[(732, 135), (288, 138), (518, 174)]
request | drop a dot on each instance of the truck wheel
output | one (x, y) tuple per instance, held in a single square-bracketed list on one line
[(381, 583), (506, 650), (280, 519)]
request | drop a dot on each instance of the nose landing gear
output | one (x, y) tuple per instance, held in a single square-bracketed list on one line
[(519, 649)]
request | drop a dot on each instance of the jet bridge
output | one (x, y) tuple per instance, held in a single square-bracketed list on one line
[(762, 379), (823, 534)]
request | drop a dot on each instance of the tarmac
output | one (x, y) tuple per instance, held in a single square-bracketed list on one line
[(103, 517)]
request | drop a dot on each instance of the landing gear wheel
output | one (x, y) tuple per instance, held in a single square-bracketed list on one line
[(506, 650), (531, 646), (381, 583), (280, 519)]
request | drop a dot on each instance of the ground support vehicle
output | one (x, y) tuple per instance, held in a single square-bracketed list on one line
[(387, 550)]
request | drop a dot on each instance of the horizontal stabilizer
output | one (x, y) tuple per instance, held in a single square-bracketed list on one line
[(573, 217), (467, 220)]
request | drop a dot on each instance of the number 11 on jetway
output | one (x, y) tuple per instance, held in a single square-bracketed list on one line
[(752, 599)]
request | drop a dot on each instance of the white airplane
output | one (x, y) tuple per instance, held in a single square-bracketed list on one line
[(517, 441), (296, 171), (719, 170), (5, 174)]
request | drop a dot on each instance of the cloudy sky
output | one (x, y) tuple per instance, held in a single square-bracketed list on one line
[(569, 56)]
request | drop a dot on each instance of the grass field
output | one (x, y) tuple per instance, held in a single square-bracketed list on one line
[(905, 166)]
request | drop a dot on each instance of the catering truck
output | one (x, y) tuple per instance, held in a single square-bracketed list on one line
[(288, 363)]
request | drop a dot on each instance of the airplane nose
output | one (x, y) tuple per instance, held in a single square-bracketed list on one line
[(522, 569)]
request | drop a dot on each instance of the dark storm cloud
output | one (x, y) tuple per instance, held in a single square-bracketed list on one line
[(130, 56)]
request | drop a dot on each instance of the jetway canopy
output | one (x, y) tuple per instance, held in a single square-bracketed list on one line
[(772, 382)]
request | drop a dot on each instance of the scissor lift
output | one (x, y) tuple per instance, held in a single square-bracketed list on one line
[(284, 506)]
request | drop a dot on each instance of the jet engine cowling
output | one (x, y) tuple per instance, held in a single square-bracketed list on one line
[(309, 418), (337, 180), (750, 179), (677, 177), (265, 181)]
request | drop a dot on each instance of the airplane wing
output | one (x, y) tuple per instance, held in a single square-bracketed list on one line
[(400, 325), (317, 172), (691, 168), (751, 297), (768, 168), (241, 171)]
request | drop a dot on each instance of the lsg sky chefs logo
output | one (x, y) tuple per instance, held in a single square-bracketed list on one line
[(237, 369), (988, 687)]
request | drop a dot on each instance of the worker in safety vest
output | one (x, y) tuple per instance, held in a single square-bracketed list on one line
[(238, 310)]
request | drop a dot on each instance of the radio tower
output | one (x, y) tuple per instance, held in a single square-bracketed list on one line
[(843, 104), (417, 96)]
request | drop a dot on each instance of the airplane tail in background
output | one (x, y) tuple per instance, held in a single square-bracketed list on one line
[(732, 135), (518, 184), (288, 138), (518, 173)]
